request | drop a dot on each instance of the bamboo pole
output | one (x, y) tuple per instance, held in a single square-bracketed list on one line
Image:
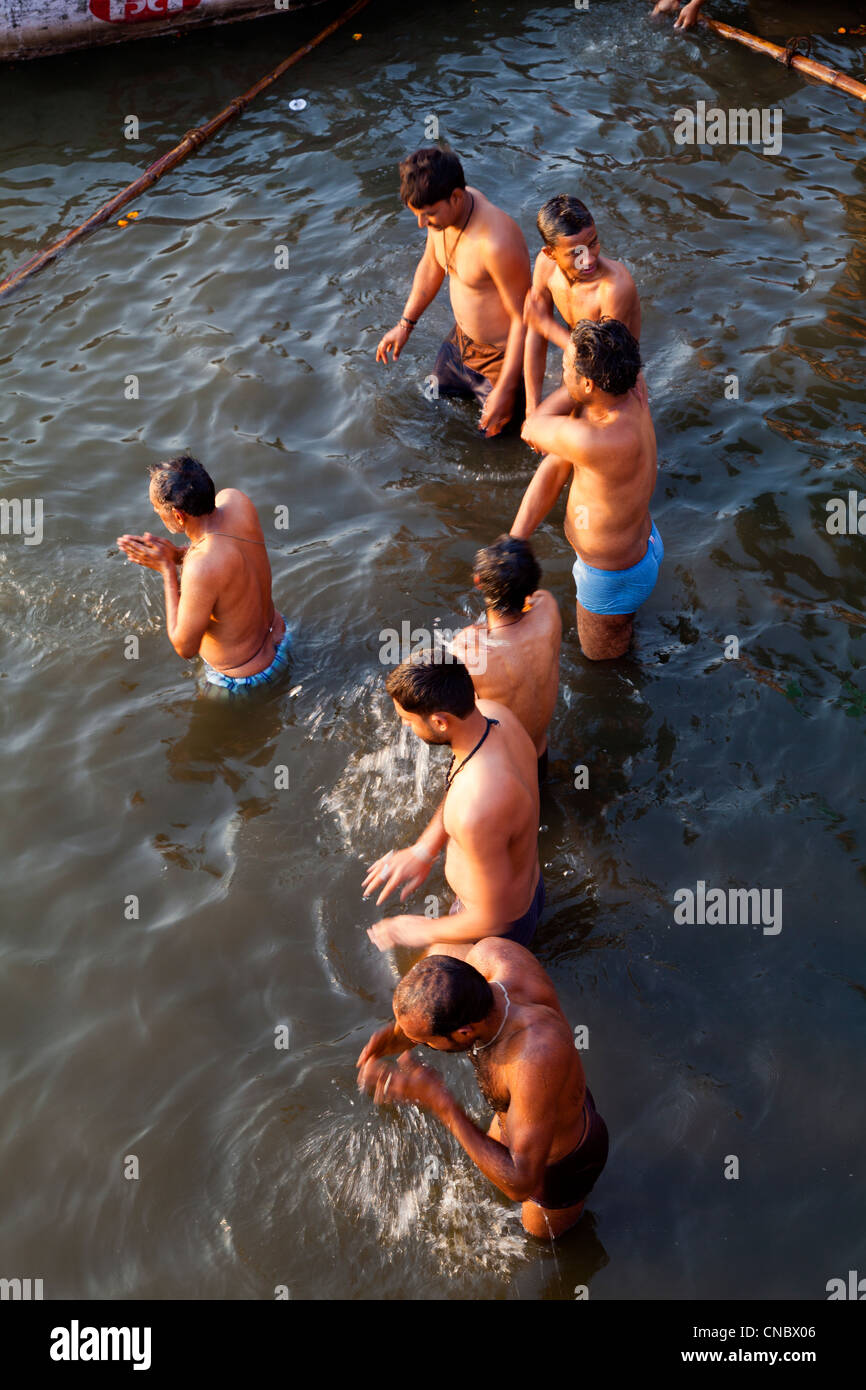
[(191, 141), (809, 66)]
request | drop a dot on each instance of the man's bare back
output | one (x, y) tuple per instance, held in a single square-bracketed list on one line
[(223, 609), (614, 458), (487, 823), (547, 1144), (242, 633), (517, 664), (491, 819), (542, 1033), (596, 432)]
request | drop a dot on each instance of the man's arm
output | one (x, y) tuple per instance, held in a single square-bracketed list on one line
[(549, 479), (535, 352), (516, 1169), (483, 834), (534, 1084), (385, 1042), (507, 264), (188, 611), (426, 284), (542, 327)]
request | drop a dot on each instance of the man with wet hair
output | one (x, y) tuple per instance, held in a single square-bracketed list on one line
[(483, 252), (608, 451), (573, 275), (487, 822), (223, 611), (547, 1144), (513, 659)]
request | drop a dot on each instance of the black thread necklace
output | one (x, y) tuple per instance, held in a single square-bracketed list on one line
[(449, 260), (449, 775)]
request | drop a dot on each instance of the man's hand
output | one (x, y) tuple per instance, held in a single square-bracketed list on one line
[(401, 931), (384, 1041), (394, 340), (409, 1083), (524, 435), (153, 552), (408, 866), (688, 15), (497, 411)]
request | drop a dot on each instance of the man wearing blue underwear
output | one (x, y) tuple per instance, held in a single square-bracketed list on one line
[(223, 610), (596, 430)]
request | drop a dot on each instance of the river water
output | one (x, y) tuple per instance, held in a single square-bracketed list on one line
[(153, 1038)]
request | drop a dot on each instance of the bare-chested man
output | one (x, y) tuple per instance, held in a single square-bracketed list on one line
[(487, 822), (547, 1144), (514, 659), (573, 275), (608, 450), (484, 253), (223, 611)]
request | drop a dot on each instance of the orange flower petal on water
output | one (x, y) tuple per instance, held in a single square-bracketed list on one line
[(123, 222), (357, 36)]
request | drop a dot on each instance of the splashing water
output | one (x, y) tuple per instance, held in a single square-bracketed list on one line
[(410, 1181), (382, 789)]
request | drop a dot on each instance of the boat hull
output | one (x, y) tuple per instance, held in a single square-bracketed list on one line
[(36, 28)]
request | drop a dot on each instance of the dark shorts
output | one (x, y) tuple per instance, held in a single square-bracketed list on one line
[(542, 767), (571, 1179), (523, 929), (466, 368)]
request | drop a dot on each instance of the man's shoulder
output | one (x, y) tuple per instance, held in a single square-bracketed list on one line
[(547, 606), (578, 434), (496, 957), (543, 269), (492, 709), (620, 281), (239, 510), (469, 645), (499, 228)]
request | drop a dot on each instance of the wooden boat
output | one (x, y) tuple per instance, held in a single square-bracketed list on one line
[(34, 28)]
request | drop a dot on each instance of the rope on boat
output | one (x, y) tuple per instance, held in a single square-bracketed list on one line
[(193, 140)]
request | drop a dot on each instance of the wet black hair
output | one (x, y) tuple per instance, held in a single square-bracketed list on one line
[(607, 353), (562, 216), (430, 175), (183, 483), (508, 573), (445, 993), (422, 685)]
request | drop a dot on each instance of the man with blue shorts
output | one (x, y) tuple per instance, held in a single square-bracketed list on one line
[(223, 610), (597, 432)]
